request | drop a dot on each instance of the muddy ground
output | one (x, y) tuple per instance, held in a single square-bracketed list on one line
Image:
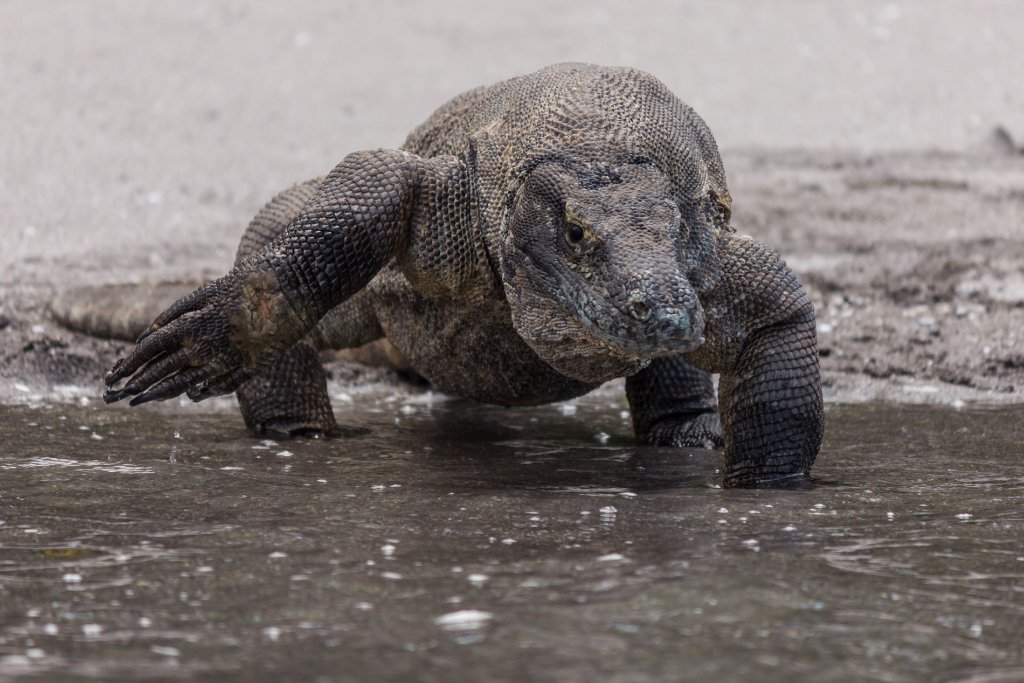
[(860, 141), (914, 262)]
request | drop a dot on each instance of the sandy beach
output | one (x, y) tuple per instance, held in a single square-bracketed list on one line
[(875, 145)]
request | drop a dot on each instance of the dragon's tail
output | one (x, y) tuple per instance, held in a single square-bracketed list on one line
[(125, 311), (116, 311)]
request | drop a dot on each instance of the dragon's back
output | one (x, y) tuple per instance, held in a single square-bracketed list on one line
[(584, 112)]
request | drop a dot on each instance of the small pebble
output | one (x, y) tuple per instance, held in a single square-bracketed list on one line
[(463, 620)]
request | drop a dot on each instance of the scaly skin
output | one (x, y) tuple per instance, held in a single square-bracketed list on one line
[(530, 241)]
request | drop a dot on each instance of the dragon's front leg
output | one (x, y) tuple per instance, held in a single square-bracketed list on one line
[(762, 339), (215, 339)]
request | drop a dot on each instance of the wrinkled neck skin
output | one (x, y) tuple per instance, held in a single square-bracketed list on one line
[(624, 295)]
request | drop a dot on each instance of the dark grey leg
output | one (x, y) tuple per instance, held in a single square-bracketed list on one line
[(290, 396), (772, 405), (673, 404), (764, 344), (327, 251)]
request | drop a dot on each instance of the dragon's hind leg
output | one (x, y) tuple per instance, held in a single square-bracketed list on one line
[(673, 404), (289, 397)]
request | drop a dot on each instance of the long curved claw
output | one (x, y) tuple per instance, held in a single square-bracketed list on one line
[(115, 395), (165, 340), (169, 387), (219, 386), (156, 370)]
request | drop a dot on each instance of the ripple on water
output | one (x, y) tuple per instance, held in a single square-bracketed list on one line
[(96, 465), (512, 534)]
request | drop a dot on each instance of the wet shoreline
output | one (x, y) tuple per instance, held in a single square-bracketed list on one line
[(449, 541)]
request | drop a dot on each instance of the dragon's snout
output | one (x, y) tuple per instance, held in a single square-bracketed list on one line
[(651, 320), (670, 326), (661, 308)]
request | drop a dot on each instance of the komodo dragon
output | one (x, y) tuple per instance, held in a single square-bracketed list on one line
[(532, 240)]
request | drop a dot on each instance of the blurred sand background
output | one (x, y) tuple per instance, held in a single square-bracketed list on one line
[(138, 138)]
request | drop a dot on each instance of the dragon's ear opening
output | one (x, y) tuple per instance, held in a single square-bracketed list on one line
[(725, 203)]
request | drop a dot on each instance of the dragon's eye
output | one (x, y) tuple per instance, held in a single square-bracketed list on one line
[(574, 233)]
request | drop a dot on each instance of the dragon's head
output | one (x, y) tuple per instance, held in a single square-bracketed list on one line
[(594, 265)]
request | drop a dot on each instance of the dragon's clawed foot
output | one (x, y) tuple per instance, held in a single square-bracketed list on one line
[(702, 431), (192, 347)]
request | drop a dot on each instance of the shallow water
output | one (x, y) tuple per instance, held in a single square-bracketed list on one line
[(445, 541)]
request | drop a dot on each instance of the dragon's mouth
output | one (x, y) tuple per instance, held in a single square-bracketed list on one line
[(641, 346), (672, 330), (673, 333)]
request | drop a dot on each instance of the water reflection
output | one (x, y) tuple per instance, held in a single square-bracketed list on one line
[(440, 540)]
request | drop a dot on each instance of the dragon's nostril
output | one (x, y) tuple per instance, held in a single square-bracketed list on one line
[(640, 309)]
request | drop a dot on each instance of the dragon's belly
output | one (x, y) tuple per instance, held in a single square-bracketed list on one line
[(468, 347)]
